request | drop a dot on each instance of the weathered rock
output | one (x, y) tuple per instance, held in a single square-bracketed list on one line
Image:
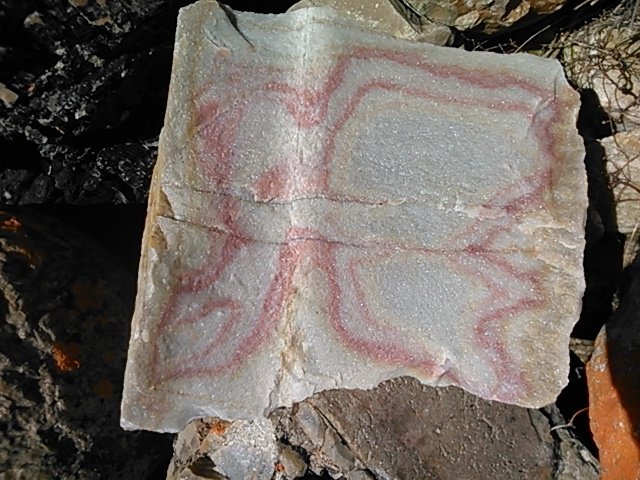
[(7, 96), (581, 348), (622, 152), (406, 430), (604, 56), (115, 174), (316, 220), (212, 446), (402, 429), (290, 463), (488, 17), (613, 375), (86, 83), (383, 17), (65, 310)]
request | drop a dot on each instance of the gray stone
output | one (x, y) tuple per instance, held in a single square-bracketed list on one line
[(403, 429), (65, 305), (212, 448), (399, 430)]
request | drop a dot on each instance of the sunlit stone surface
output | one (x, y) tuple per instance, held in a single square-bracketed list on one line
[(333, 208)]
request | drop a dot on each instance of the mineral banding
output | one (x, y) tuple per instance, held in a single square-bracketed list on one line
[(333, 207)]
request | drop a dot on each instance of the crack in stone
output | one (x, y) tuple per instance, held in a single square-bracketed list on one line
[(390, 246)]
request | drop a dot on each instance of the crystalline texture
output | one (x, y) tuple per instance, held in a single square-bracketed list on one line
[(332, 208)]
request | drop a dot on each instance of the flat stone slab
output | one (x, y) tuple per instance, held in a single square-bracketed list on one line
[(333, 207)]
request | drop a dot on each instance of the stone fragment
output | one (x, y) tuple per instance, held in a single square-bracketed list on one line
[(622, 152), (403, 429), (64, 312), (7, 95), (488, 17), (333, 207), (604, 56), (581, 348), (383, 17), (216, 448), (614, 388), (290, 463)]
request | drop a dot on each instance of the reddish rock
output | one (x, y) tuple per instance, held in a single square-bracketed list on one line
[(613, 375)]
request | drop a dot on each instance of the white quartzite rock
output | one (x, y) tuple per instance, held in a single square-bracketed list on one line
[(333, 207)]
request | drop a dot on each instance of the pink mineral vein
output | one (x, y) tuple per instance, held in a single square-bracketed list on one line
[(332, 208)]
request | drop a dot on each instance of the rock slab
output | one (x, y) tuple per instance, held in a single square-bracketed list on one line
[(402, 429), (334, 207)]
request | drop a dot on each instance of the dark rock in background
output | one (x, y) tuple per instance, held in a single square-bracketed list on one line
[(91, 80), (83, 86), (66, 305)]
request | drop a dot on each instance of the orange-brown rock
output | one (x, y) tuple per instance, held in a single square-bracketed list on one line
[(613, 375)]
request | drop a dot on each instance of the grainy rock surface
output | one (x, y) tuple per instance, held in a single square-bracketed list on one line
[(400, 430), (64, 315), (272, 270)]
